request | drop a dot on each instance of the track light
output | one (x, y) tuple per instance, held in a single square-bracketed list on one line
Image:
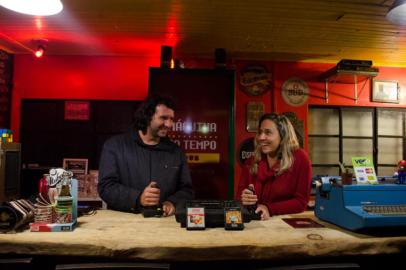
[(40, 45), (40, 51)]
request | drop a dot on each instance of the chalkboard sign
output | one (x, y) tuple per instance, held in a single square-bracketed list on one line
[(6, 69)]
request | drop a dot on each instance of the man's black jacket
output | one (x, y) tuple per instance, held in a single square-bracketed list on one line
[(127, 166)]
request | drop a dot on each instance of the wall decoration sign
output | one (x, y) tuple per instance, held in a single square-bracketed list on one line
[(255, 80), (77, 110), (202, 124), (246, 150), (254, 111), (78, 166), (385, 91), (295, 92)]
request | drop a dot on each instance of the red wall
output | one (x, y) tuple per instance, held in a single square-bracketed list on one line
[(126, 78), (339, 94), (78, 77)]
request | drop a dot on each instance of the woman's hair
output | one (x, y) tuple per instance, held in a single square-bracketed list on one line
[(289, 143), (143, 115)]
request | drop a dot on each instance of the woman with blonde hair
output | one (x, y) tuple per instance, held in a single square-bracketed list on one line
[(276, 180)]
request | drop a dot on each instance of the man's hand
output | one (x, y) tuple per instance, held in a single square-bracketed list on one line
[(169, 208), (248, 197), (150, 195)]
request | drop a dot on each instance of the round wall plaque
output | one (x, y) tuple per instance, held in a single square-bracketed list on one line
[(295, 92), (255, 80)]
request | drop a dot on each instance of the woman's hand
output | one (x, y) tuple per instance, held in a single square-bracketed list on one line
[(263, 209), (248, 197)]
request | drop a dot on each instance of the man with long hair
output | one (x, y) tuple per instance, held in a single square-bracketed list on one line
[(143, 168)]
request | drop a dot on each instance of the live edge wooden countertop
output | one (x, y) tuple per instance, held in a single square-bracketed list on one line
[(115, 234)]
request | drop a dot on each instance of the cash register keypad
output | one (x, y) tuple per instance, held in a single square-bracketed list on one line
[(386, 209)]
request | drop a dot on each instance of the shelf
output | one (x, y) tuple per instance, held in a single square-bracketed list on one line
[(349, 77), (346, 76)]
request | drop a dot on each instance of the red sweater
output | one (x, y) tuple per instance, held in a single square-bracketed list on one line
[(284, 194)]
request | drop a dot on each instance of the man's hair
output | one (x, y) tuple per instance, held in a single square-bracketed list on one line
[(143, 115)]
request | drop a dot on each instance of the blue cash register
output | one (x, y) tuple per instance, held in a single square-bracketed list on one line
[(360, 206)]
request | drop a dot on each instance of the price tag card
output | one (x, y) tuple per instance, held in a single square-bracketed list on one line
[(364, 170)]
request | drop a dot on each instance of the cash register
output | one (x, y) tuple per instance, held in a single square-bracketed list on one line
[(360, 206)]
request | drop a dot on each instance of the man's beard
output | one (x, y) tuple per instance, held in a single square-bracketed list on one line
[(157, 133)]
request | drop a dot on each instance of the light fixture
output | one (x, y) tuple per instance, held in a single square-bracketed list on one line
[(34, 7), (39, 52), (41, 45), (397, 12)]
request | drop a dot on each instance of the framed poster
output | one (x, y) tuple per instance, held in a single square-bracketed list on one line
[(76, 165), (254, 111), (385, 91), (77, 110)]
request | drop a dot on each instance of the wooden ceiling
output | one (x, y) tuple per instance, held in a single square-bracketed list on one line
[(285, 30)]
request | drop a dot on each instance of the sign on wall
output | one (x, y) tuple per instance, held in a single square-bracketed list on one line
[(295, 92), (246, 150), (202, 124), (255, 79), (254, 112), (77, 110)]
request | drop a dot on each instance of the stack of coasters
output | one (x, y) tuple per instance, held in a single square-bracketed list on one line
[(43, 214), (44, 210), (63, 209)]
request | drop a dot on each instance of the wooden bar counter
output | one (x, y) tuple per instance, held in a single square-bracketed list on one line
[(111, 234)]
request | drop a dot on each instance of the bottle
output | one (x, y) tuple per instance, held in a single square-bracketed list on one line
[(43, 185), (65, 190)]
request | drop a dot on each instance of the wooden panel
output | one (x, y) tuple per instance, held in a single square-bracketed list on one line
[(290, 30)]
